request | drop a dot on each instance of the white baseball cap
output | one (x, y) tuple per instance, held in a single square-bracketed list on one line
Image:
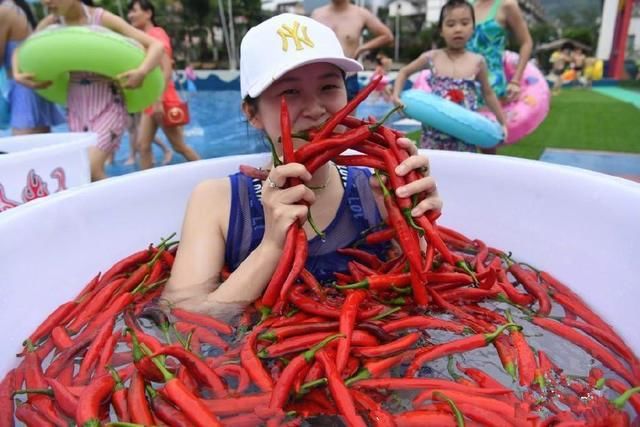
[(283, 43)]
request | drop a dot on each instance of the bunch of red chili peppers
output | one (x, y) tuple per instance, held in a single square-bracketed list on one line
[(359, 348)]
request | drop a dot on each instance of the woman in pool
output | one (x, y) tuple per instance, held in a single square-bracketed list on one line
[(30, 113), (95, 102), (241, 223), (494, 20), (141, 15)]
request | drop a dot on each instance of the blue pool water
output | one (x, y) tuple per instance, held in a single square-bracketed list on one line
[(218, 128)]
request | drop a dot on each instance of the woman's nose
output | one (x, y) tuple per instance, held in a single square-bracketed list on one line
[(314, 108)]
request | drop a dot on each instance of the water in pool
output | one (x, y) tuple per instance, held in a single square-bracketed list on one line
[(218, 128)]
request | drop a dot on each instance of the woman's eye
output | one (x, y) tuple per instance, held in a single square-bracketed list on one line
[(330, 87), (289, 92)]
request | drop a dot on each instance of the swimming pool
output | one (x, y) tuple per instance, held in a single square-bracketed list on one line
[(218, 128)]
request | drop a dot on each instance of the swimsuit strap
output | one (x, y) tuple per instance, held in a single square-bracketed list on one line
[(492, 12)]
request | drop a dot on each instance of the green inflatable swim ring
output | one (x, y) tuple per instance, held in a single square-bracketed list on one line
[(53, 53)]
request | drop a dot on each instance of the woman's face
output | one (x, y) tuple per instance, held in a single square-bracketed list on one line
[(457, 27), (313, 92), (139, 18)]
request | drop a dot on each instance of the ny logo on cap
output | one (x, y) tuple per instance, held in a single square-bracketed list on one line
[(286, 32)]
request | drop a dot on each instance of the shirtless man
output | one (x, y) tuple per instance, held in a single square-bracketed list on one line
[(348, 21)]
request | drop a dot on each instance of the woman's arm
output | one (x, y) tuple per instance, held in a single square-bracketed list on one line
[(489, 95), (154, 49), (517, 24), (194, 282), (413, 67)]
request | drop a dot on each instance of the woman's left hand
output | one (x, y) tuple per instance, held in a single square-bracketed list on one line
[(131, 79), (426, 184), (513, 91)]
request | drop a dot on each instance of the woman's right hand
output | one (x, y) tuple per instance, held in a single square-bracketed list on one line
[(28, 80), (283, 206)]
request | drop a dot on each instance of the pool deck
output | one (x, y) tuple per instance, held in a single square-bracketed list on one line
[(624, 165)]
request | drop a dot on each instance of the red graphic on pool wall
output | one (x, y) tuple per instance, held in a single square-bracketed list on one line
[(35, 188)]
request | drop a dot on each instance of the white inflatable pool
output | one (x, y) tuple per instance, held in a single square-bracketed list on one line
[(34, 166), (582, 226)]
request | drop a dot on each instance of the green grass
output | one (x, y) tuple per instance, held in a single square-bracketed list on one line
[(581, 120)]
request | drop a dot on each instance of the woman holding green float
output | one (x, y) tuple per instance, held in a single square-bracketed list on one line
[(95, 101)]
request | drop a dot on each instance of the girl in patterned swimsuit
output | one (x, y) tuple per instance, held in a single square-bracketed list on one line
[(95, 102), (455, 72)]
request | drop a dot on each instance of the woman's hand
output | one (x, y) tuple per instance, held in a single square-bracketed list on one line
[(513, 91), (28, 80), (131, 79), (283, 206), (396, 100), (426, 184), (505, 133)]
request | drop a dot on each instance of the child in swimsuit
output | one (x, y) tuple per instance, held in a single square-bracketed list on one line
[(455, 72), (95, 102)]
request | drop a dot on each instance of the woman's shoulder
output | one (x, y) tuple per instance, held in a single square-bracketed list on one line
[(157, 32), (210, 192)]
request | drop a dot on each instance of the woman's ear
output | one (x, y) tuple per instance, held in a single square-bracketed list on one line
[(251, 113)]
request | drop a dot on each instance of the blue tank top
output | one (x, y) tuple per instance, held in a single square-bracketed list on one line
[(357, 212)]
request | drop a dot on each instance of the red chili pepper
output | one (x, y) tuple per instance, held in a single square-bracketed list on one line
[(198, 368), (119, 398), (88, 412), (299, 259), (283, 332), (367, 258), (125, 265), (424, 322), (620, 387), (505, 409), (137, 404), (424, 418), (298, 343), (236, 405), (142, 361), (401, 344), (272, 291), (330, 148), (109, 348), (94, 352), (237, 371), (192, 407), (340, 392), (452, 347), (165, 412), (311, 306), (7, 387), (526, 358), (507, 354), (309, 279), (202, 320), (53, 320), (252, 363), (35, 380), (61, 338), (30, 416), (347, 322), (203, 335), (529, 282), (360, 160), (577, 306), (379, 367), (337, 118), (485, 380), (612, 341), (587, 344), (65, 400), (96, 303), (510, 290), (283, 387), (377, 415)]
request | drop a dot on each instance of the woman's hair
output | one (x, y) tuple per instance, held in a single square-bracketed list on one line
[(145, 5), (452, 4), (24, 6), (88, 3)]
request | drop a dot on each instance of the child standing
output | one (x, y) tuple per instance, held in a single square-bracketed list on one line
[(95, 102), (455, 73)]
